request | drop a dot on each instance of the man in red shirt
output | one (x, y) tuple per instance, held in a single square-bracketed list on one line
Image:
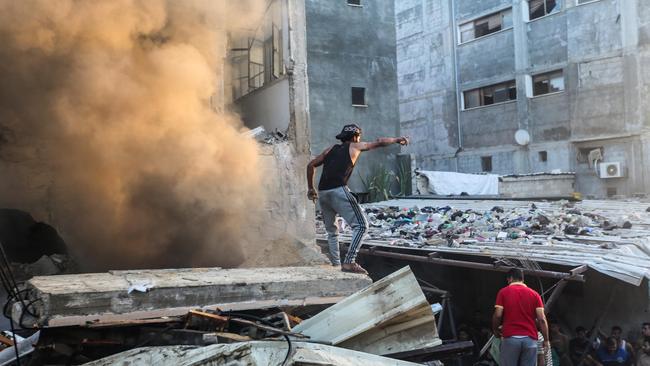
[(518, 311)]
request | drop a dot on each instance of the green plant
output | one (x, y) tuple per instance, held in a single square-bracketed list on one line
[(403, 177), (378, 183)]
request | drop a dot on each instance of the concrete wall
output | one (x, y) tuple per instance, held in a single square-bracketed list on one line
[(267, 106), (348, 47), (603, 47), (426, 74)]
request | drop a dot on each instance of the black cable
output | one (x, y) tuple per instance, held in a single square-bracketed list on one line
[(25, 311), (13, 332), (256, 318)]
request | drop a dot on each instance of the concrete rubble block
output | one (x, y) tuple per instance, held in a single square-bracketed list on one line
[(120, 296), (255, 353), (390, 316)]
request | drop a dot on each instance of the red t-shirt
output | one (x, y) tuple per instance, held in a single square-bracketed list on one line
[(519, 303)]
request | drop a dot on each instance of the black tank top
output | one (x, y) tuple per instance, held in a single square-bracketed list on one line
[(337, 167)]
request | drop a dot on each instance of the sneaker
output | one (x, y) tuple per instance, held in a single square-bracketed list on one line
[(354, 268)]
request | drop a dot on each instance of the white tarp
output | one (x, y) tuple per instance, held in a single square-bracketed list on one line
[(450, 183)]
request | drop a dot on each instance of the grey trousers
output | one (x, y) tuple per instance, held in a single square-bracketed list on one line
[(518, 352), (340, 201)]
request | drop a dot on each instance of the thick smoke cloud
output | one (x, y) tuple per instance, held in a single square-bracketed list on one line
[(108, 106)]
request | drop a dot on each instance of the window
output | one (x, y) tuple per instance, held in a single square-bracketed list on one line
[(585, 1), (492, 94), (486, 163), (354, 2), (550, 82), (543, 156), (485, 25), (257, 59), (583, 156), (540, 8), (359, 97)]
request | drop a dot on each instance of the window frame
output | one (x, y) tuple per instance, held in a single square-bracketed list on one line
[(578, 3), (530, 80), (508, 86), (487, 164), (526, 12), (365, 97), (472, 22), (359, 5)]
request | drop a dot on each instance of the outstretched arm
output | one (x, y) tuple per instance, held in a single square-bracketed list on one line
[(381, 142), (311, 170)]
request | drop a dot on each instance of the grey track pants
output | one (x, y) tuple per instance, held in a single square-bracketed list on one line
[(518, 352), (340, 201)]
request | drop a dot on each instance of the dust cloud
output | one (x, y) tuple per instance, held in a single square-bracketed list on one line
[(115, 107)]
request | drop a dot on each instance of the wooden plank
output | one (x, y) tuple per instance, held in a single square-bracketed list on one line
[(392, 315)]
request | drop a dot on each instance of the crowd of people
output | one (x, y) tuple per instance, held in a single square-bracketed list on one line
[(521, 335), (606, 349)]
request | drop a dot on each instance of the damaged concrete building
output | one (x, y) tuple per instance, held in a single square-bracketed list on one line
[(571, 76)]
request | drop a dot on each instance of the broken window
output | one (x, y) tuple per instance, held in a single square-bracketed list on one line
[(486, 163), (550, 82), (358, 96), (485, 25), (497, 93), (354, 2), (597, 153), (256, 57), (540, 8), (543, 156)]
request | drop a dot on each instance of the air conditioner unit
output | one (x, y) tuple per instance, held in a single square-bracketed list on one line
[(610, 170)]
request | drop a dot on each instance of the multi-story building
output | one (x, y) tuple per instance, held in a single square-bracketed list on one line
[(524, 86), (351, 69)]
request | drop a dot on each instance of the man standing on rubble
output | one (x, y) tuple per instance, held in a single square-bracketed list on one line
[(517, 313), (334, 196)]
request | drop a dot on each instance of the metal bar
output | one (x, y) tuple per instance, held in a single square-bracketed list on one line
[(473, 265), (555, 295), (267, 328)]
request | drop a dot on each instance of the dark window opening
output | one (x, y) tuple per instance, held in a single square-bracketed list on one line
[(550, 82), (486, 163), (543, 156), (611, 191), (485, 25), (354, 2), (358, 96), (487, 95), (540, 8), (583, 154)]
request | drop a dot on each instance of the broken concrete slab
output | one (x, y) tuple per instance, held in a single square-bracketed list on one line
[(97, 298), (390, 316), (256, 353)]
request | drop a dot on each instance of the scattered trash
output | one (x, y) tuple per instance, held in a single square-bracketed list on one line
[(432, 226)]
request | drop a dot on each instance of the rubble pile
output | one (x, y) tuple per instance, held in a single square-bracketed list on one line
[(208, 313), (453, 227)]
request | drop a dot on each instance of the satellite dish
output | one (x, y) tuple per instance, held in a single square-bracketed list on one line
[(522, 137)]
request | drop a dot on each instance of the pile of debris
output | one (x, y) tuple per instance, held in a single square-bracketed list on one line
[(236, 316), (261, 135), (432, 226)]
